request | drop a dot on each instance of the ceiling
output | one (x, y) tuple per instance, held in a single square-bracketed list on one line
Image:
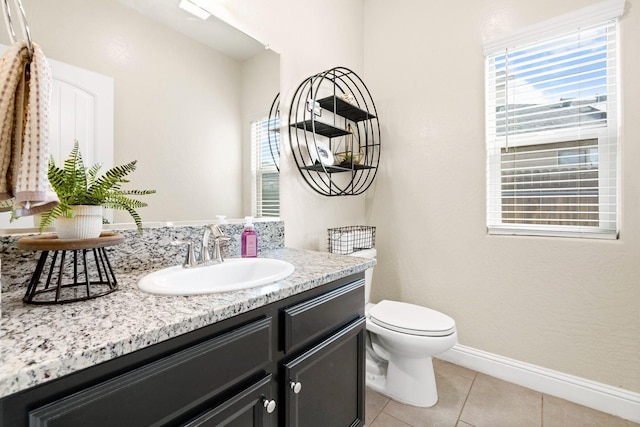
[(212, 32)]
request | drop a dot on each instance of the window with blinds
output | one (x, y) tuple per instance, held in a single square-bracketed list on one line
[(552, 130), (266, 178)]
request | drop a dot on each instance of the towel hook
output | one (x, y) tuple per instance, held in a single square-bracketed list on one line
[(9, 23)]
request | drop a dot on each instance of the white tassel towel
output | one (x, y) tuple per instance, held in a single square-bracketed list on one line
[(24, 130)]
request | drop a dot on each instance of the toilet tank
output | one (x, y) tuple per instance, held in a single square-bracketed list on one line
[(368, 274)]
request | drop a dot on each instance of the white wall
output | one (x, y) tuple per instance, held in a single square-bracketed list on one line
[(571, 305), (260, 84), (177, 103)]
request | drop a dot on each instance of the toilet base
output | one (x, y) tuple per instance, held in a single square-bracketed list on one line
[(376, 381), (411, 382)]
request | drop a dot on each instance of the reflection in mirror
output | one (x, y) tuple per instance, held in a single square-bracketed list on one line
[(181, 106)]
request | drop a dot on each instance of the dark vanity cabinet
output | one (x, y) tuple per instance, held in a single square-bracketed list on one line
[(325, 376), (331, 396), (251, 407), (295, 362)]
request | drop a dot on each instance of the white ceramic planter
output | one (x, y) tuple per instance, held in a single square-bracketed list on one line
[(86, 224)]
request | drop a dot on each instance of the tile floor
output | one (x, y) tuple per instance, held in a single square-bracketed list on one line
[(471, 399)]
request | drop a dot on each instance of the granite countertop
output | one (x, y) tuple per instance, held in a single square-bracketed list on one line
[(41, 343)]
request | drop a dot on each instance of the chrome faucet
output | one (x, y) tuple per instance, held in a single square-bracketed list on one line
[(190, 260), (206, 257), (218, 236)]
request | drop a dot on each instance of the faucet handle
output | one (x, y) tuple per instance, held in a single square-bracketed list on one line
[(215, 231), (218, 236), (190, 259), (212, 230)]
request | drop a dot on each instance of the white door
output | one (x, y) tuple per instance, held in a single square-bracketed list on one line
[(82, 110)]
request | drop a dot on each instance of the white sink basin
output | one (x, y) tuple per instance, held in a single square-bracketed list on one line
[(231, 275)]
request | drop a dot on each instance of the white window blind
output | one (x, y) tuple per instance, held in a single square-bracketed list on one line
[(266, 178), (552, 132)]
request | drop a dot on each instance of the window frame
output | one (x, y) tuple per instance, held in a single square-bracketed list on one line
[(259, 145), (600, 13)]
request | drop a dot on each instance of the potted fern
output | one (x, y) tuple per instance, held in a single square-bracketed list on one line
[(83, 194)]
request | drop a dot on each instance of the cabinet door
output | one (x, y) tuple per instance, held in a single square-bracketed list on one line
[(169, 388), (309, 321), (325, 385), (252, 407)]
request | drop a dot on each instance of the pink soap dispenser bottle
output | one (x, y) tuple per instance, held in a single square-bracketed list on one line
[(249, 240)]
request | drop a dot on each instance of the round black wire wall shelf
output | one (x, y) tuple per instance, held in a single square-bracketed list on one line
[(334, 133), (273, 133)]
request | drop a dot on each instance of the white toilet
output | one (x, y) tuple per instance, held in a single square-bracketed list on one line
[(401, 340)]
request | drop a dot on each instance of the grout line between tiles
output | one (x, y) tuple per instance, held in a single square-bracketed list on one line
[(399, 420), (465, 400), (382, 408), (369, 422)]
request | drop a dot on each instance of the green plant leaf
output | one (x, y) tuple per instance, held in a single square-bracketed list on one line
[(77, 185)]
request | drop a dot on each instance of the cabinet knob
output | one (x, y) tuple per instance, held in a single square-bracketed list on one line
[(269, 405), (295, 386)]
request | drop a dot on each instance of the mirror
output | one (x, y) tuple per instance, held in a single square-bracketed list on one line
[(181, 107)]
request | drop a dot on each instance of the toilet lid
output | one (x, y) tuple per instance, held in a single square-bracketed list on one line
[(411, 319)]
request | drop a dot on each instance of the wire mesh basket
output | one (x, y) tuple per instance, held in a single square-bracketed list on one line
[(346, 240)]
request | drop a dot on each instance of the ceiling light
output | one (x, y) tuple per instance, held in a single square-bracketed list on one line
[(194, 9)]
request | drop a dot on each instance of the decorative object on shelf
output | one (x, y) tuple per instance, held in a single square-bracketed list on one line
[(346, 240), (321, 154), (347, 109), (77, 185), (87, 260), (352, 152), (314, 107), (347, 97)]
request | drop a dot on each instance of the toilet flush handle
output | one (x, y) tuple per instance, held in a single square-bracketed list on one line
[(295, 386)]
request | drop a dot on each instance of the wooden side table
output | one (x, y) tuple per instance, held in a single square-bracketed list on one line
[(88, 260)]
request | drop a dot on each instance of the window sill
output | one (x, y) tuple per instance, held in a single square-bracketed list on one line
[(545, 232)]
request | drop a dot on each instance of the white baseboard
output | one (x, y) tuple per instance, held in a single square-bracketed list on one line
[(605, 398)]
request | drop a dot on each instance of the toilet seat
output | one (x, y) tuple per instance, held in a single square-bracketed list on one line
[(411, 319)]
